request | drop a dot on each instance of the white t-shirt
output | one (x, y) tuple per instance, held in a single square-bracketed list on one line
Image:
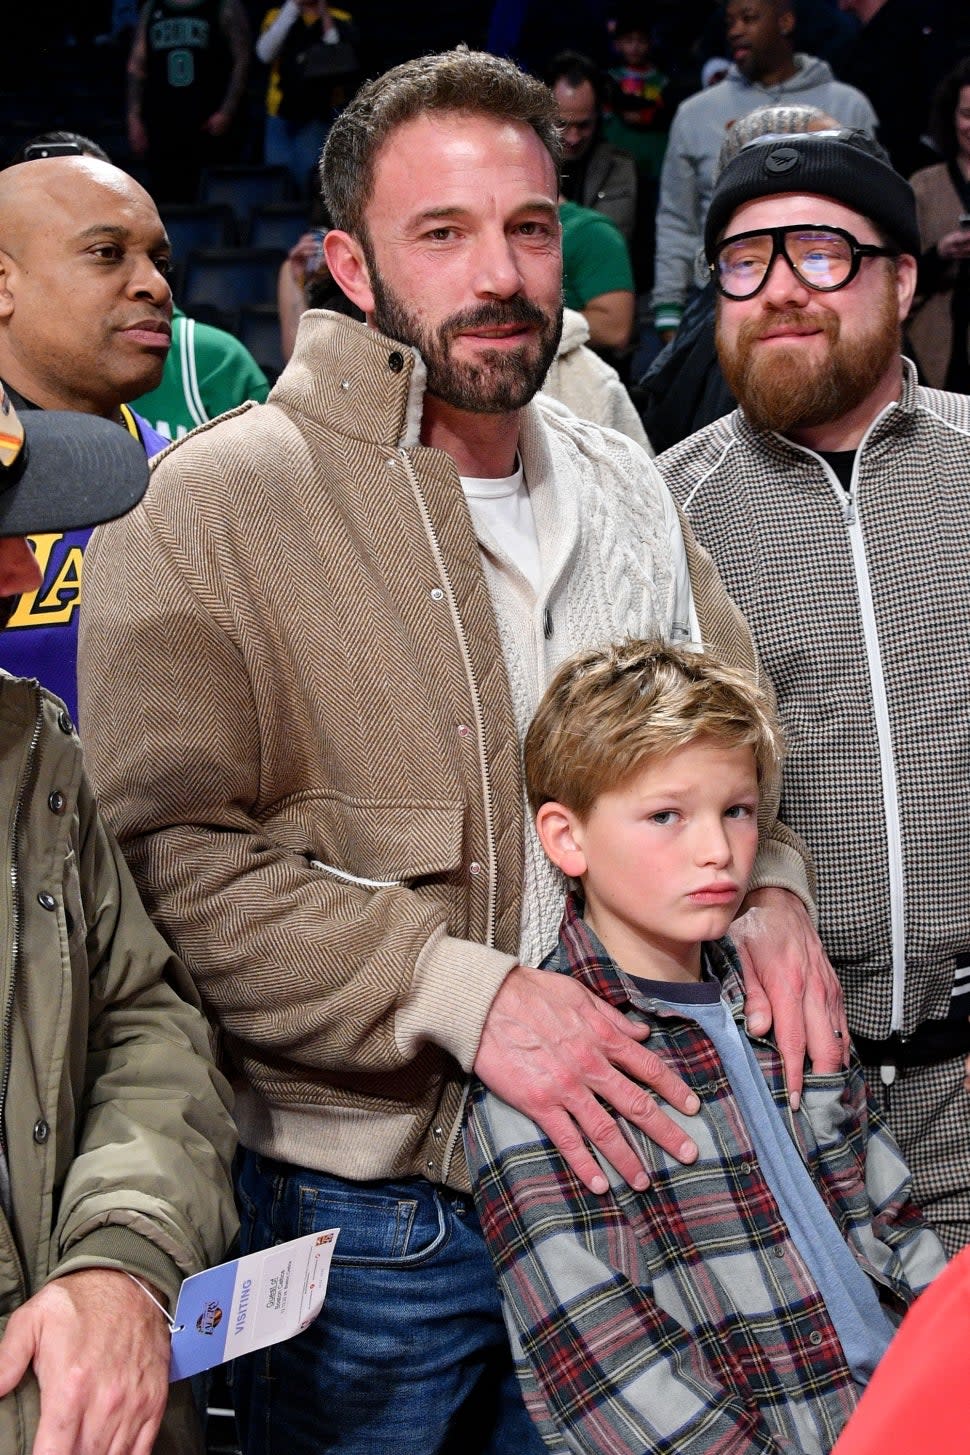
[(502, 513)]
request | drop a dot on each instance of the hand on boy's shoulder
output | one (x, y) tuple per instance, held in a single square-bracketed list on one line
[(551, 1049), (790, 985)]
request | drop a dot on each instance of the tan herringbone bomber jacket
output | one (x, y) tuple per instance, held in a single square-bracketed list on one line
[(296, 710)]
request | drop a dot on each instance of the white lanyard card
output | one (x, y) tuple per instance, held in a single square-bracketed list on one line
[(260, 1299)]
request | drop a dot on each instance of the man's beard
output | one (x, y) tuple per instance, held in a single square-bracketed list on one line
[(781, 388), (502, 380)]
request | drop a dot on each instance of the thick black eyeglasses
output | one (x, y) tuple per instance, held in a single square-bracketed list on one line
[(823, 258)]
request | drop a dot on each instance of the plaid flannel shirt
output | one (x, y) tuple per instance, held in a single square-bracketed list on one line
[(684, 1319)]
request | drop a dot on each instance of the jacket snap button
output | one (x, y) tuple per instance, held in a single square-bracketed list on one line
[(64, 722), (395, 362), (46, 901), (437, 594), (474, 867), (41, 1131), (57, 802), (463, 730)]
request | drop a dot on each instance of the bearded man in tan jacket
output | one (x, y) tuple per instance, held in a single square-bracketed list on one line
[(306, 688)]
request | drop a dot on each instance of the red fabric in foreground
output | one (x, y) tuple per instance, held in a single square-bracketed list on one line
[(918, 1401)]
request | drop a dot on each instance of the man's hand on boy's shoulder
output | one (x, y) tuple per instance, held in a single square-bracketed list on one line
[(789, 984), (556, 1052)]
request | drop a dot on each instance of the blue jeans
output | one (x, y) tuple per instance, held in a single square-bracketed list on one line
[(409, 1355)]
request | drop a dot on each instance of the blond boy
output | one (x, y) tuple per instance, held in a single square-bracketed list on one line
[(741, 1303)]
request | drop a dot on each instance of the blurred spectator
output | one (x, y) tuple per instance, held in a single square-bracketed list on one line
[(588, 385), (314, 70), (939, 324), (207, 371), (305, 282), (637, 121), (597, 275), (595, 174), (765, 71), (898, 57), (186, 82)]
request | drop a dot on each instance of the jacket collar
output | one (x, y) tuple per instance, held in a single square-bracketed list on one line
[(364, 384), (893, 417)]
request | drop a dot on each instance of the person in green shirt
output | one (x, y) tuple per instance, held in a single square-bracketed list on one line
[(207, 371), (597, 275)]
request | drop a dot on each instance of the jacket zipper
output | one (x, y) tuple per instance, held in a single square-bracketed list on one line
[(476, 700), (887, 763), (33, 758), (449, 1150)]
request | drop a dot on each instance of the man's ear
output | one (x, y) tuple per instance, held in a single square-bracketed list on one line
[(906, 271), (560, 834), (6, 297), (348, 268)]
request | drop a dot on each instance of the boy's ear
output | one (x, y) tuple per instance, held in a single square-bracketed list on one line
[(348, 268), (560, 834)]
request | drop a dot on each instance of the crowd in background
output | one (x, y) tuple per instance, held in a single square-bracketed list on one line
[(194, 84), (654, 101)]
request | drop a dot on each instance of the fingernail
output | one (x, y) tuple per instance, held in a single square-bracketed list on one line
[(599, 1184), (693, 1104), (795, 1100), (688, 1152), (641, 1183)]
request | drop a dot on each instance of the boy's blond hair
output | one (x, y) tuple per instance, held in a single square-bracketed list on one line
[(608, 711)]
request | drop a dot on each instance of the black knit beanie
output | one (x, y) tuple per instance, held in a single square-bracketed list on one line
[(850, 167)]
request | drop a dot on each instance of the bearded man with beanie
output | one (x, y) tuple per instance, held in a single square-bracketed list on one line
[(834, 501)]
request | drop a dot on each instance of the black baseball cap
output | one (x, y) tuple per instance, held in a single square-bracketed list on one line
[(65, 471)]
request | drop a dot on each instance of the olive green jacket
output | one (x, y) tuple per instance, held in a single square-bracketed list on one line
[(116, 1130)]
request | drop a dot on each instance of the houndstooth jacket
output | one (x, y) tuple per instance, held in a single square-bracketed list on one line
[(859, 602)]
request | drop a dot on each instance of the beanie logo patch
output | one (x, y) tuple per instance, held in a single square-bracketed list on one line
[(781, 159)]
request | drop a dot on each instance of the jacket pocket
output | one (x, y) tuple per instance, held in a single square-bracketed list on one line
[(383, 843)]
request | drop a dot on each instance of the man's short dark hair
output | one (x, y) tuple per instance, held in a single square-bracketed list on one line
[(575, 68), (461, 81)]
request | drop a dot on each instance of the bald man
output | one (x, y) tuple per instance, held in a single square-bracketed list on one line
[(85, 325)]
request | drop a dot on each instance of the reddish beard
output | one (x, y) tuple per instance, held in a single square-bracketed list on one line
[(781, 388)]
